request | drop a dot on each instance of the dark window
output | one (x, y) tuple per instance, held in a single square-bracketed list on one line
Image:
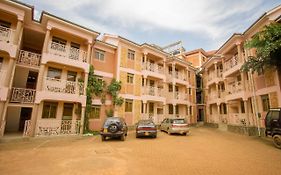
[(5, 24), (54, 73), (95, 113), (131, 54), (242, 106), (265, 102), (170, 109), (49, 110), (128, 105)]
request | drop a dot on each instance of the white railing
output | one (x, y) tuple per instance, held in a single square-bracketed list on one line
[(153, 67), (231, 63), (6, 34), (29, 58), (181, 96), (57, 127), (22, 95), (153, 91), (63, 86), (68, 52), (27, 128), (234, 87), (179, 75)]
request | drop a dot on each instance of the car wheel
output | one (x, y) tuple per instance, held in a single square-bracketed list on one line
[(155, 136), (122, 138), (277, 141), (102, 138), (137, 136)]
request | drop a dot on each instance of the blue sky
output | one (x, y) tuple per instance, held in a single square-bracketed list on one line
[(203, 24)]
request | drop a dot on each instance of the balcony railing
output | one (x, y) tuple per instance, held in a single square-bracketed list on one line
[(231, 63), (63, 86), (57, 127), (153, 67), (29, 58), (181, 96), (179, 75), (211, 75), (235, 87), (68, 52), (153, 91), (6, 34), (22, 95)]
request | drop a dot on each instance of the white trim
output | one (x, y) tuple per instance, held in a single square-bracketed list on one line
[(103, 74)]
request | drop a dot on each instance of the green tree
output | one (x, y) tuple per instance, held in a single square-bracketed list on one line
[(113, 89), (268, 49)]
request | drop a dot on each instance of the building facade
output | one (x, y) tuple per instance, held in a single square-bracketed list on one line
[(44, 67)]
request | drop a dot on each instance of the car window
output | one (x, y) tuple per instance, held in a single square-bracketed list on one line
[(178, 121), (112, 120), (275, 115)]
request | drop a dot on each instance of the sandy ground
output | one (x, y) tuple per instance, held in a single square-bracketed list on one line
[(204, 151)]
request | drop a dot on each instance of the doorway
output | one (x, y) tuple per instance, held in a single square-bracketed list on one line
[(200, 115), (31, 80), (25, 114)]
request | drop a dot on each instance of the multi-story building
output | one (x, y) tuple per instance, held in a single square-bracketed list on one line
[(237, 100), (44, 67)]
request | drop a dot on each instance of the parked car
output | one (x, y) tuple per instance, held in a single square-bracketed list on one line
[(146, 128), (175, 125), (273, 126), (114, 127)]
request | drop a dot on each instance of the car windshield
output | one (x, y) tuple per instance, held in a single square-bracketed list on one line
[(146, 123), (179, 121), (111, 120)]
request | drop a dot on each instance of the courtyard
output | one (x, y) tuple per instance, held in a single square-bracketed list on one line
[(204, 151)]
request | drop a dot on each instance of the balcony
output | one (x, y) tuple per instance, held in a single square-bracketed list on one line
[(6, 41), (179, 98), (235, 90), (48, 127), (156, 118), (151, 69), (214, 77), (66, 55), (22, 95), (29, 59), (61, 90), (212, 98), (153, 93), (231, 66)]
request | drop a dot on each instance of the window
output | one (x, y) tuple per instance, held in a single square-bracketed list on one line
[(128, 105), (58, 40), (99, 55), (131, 54), (177, 109), (242, 106), (190, 110), (189, 91), (170, 109), (49, 110), (71, 76), (95, 112), (67, 111), (54, 73), (265, 103), (75, 45), (188, 73), (130, 78), (5, 24)]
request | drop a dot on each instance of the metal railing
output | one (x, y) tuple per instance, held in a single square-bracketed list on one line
[(57, 127), (29, 58), (6, 34), (153, 67), (27, 128), (22, 95), (231, 63), (67, 51), (153, 91), (63, 86)]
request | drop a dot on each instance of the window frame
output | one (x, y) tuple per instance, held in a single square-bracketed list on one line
[(54, 69), (50, 106), (95, 112), (130, 78), (131, 54), (129, 105), (100, 55)]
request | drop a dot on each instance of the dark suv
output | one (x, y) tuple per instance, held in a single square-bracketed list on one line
[(273, 125), (114, 127)]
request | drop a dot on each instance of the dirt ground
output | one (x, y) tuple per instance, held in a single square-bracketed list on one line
[(204, 151)]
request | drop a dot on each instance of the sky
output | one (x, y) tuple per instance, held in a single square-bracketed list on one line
[(203, 24)]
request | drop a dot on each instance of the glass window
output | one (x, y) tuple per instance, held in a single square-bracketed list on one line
[(131, 54), (99, 55), (95, 112), (130, 78), (59, 40), (5, 24), (170, 88), (128, 105), (71, 76), (265, 102), (190, 110), (170, 109), (67, 111), (242, 106), (49, 110), (54, 73)]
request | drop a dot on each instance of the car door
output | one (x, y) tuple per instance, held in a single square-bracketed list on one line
[(272, 121), (163, 125)]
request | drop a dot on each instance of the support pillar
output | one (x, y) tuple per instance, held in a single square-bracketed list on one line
[(82, 120), (18, 32), (144, 110), (219, 114), (246, 112), (46, 40), (174, 111), (89, 53)]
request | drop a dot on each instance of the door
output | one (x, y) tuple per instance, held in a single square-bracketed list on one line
[(31, 80), (25, 114), (151, 110), (66, 122)]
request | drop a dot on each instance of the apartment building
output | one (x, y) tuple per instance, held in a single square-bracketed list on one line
[(237, 100)]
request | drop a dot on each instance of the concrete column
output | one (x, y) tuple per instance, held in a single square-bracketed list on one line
[(82, 120), (18, 32), (46, 41), (10, 72), (174, 110), (239, 49), (246, 112), (217, 90), (144, 109), (40, 79), (89, 53), (228, 112), (219, 114), (34, 119), (173, 70), (216, 69)]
